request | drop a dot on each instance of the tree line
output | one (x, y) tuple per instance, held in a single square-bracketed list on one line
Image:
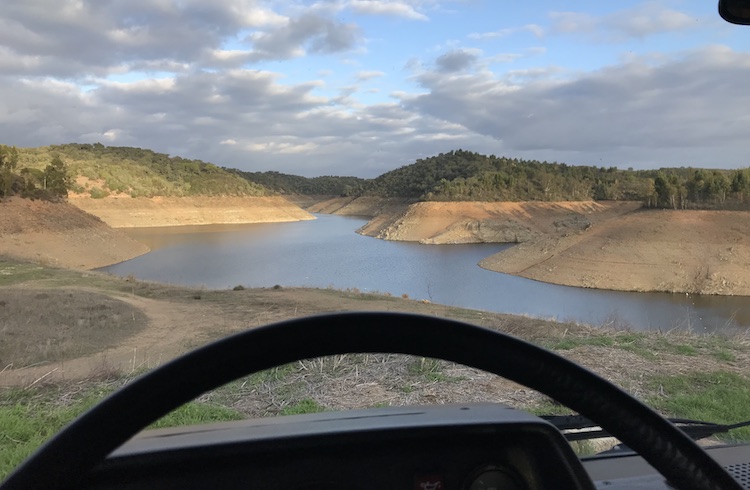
[(49, 183), (328, 185), (467, 176), (453, 176), (140, 172)]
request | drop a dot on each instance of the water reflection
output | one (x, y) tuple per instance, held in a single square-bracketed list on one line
[(327, 253)]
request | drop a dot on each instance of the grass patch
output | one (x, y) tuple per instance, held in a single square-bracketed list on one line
[(306, 405), (197, 413), (16, 272), (719, 396), (51, 325), (568, 343), (430, 369), (650, 345), (28, 417)]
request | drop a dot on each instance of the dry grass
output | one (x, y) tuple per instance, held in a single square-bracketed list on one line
[(42, 325)]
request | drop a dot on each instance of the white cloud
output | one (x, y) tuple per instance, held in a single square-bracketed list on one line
[(659, 110), (640, 21), (369, 75), (393, 8), (534, 29)]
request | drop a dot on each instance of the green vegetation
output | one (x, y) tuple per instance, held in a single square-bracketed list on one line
[(327, 185), (28, 417), (50, 182), (454, 176), (650, 345), (468, 176), (306, 405), (138, 172), (719, 396)]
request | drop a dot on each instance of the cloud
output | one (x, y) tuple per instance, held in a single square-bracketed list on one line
[(77, 39), (534, 29), (391, 8), (456, 60), (369, 75), (692, 106), (641, 21), (315, 33)]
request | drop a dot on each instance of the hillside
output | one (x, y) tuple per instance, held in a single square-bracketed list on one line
[(325, 185), (704, 252), (468, 176), (127, 212), (59, 234), (99, 170)]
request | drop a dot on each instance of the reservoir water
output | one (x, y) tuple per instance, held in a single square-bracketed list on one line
[(326, 252)]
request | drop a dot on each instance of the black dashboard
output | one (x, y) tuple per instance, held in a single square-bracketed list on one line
[(475, 446), (442, 447)]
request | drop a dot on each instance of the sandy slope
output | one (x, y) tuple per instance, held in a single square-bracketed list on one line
[(128, 212), (61, 235), (499, 222), (703, 252)]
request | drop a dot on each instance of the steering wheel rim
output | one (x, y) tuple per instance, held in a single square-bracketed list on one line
[(66, 458)]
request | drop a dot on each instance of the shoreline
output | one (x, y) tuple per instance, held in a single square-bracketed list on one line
[(142, 212), (607, 245)]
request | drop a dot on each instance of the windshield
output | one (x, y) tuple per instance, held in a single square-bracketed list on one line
[(172, 172)]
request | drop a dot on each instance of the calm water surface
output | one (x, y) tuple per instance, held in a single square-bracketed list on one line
[(327, 253)]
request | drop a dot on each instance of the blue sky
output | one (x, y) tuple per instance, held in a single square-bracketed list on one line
[(359, 87)]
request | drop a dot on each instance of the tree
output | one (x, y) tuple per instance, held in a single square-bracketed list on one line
[(8, 158), (56, 178)]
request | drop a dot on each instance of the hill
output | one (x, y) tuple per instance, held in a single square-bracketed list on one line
[(467, 176), (98, 170), (59, 234), (326, 185)]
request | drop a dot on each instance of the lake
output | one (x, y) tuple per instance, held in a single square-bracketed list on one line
[(327, 252)]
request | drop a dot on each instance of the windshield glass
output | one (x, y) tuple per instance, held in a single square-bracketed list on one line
[(172, 172)]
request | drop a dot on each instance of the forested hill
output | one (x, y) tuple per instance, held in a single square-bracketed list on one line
[(459, 175), (133, 171), (329, 185), (467, 176)]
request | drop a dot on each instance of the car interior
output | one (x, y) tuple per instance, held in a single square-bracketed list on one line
[(473, 446)]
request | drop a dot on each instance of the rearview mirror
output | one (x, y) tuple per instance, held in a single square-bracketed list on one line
[(735, 11)]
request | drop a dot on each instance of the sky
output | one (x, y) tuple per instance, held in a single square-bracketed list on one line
[(360, 87)]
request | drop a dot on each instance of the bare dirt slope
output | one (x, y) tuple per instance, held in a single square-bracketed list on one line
[(62, 235), (127, 212), (704, 252), (369, 206), (499, 222)]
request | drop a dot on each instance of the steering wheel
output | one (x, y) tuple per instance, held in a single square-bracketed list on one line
[(67, 457)]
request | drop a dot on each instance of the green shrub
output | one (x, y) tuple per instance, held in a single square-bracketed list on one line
[(98, 193)]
